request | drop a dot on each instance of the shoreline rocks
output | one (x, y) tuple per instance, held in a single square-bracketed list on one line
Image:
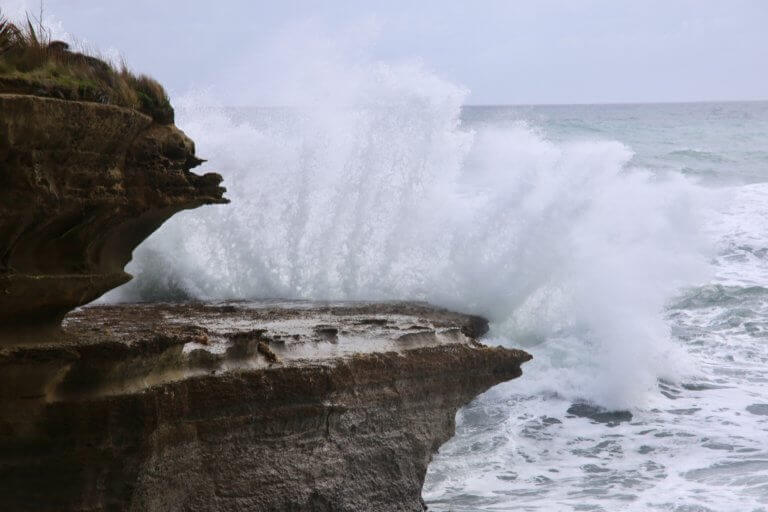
[(178, 407)]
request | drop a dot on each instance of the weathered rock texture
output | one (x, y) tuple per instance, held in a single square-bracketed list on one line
[(230, 407), (81, 185)]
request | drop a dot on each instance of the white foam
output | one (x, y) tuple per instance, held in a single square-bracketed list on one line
[(688, 448)]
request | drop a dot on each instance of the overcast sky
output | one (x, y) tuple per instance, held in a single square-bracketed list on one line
[(504, 52)]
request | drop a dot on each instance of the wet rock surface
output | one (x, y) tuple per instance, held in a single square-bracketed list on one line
[(599, 414), (237, 406), (81, 185), (758, 409)]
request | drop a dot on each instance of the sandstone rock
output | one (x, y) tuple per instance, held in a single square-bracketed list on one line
[(152, 407), (81, 185)]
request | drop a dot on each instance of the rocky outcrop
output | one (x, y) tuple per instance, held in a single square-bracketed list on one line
[(230, 407), (81, 185)]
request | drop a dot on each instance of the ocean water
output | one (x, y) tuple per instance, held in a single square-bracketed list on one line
[(624, 246), (696, 440)]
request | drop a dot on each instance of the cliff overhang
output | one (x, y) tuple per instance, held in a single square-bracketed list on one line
[(81, 185)]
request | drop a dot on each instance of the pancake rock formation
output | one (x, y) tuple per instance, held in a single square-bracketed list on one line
[(81, 185), (238, 406)]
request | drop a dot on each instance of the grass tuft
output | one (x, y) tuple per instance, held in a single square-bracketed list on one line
[(31, 63)]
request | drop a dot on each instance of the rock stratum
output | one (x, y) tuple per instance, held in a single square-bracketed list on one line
[(81, 185), (238, 406)]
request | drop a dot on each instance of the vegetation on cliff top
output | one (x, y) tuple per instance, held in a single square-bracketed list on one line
[(30, 63)]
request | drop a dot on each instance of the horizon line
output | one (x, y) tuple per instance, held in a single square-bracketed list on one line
[(585, 104)]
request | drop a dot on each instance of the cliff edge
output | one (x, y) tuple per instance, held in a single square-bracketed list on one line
[(81, 185)]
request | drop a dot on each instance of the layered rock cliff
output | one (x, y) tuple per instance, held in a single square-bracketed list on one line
[(230, 407), (81, 185)]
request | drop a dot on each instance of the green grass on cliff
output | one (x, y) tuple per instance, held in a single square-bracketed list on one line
[(30, 63)]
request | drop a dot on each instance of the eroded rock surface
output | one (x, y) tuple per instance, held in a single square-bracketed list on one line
[(238, 406), (81, 185)]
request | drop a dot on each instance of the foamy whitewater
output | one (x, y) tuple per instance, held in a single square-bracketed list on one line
[(625, 247)]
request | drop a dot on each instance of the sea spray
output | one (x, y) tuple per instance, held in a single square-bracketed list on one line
[(381, 193)]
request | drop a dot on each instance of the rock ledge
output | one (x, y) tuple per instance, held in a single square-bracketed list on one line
[(239, 406)]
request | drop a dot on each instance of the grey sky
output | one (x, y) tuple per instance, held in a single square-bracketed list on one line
[(533, 51)]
